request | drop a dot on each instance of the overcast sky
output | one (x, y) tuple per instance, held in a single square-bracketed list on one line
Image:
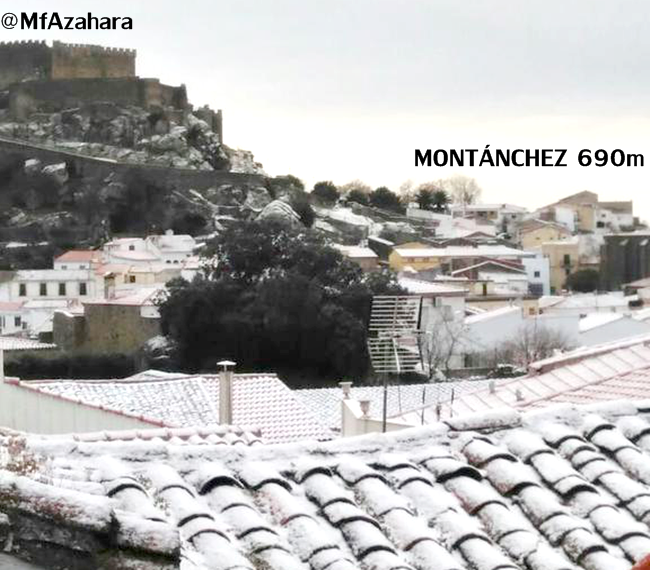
[(338, 90)]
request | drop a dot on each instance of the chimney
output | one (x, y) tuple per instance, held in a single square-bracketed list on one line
[(365, 408), (346, 386), (225, 391)]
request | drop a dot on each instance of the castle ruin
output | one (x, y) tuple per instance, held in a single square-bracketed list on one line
[(36, 77)]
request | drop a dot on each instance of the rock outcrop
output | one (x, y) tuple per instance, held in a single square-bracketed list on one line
[(132, 135)]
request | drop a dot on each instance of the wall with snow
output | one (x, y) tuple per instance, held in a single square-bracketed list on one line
[(614, 330)]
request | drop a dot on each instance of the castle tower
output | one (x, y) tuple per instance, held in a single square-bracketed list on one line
[(23, 61), (77, 61)]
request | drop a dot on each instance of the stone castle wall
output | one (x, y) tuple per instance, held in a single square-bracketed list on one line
[(25, 60), (54, 96), (30, 60), (77, 61)]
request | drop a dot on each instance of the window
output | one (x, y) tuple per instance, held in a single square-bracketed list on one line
[(83, 289), (22, 290), (484, 288), (64, 267), (131, 278), (131, 248), (17, 321), (567, 259), (567, 271), (536, 274), (531, 310), (42, 289), (62, 289)]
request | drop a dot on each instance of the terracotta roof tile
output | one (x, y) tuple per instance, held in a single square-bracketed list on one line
[(563, 489)]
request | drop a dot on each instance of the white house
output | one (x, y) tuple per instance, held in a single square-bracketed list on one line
[(25, 285), (168, 248), (506, 217), (11, 318)]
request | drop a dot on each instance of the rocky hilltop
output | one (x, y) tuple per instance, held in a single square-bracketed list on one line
[(89, 151), (132, 135)]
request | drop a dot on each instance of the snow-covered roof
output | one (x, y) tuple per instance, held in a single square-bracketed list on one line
[(143, 296), (136, 255), (567, 489), (599, 300), (259, 400), (508, 266), (8, 343), (595, 320), (10, 307), (481, 250), (79, 256), (493, 314), (326, 402), (356, 251), (210, 435), (486, 207), (641, 314), (421, 287), (611, 371)]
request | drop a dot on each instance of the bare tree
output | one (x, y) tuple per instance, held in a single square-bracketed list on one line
[(440, 343), (464, 190), (407, 191), (357, 185), (531, 343)]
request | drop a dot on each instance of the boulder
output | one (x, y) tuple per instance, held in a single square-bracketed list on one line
[(32, 166), (280, 211), (257, 198), (58, 172)]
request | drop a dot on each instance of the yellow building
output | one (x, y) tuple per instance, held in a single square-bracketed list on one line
[(564, 259), (453, 256), (418, 258), (533, 233)]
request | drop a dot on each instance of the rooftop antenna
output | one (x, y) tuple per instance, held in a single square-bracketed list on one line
[(393, 338)]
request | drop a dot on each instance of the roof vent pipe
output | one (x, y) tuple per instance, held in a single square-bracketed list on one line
[(225, 391)]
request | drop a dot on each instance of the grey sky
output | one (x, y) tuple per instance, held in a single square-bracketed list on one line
[(347, 89)]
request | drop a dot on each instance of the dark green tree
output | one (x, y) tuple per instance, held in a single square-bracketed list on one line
[(440, 201), (325, 192), (583, 281), (275, 298), (384, 199), (424, 198), (358, 196)]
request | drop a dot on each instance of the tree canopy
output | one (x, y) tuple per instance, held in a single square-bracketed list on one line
[(325, 192), (583, 281), (385, 199), (276, 299)]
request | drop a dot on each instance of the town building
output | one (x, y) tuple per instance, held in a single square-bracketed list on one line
[(564, 259), (422, 257), (109, 326), (532, 233), (362, 255), (505, 217), (583, 212)]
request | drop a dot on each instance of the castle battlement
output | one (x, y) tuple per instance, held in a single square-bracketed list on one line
[(23, 43), (91, 49)]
